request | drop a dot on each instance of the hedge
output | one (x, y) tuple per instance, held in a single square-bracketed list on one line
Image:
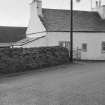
[(22, 59)]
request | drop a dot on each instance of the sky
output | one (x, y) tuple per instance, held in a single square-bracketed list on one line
[(17, 12)]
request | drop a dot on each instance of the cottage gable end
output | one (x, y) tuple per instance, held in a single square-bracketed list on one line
[(35, 26)]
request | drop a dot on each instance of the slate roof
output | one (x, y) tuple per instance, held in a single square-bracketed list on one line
[(2, 45), (11, 34), (59, 20)]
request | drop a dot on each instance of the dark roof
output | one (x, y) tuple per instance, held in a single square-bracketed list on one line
[(2, 45), (59, 20), (11, 34)]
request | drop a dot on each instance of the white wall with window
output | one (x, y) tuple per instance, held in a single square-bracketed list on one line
[(92, 45), (87, 45)]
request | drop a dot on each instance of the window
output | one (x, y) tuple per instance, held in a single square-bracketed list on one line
[(103, 46), (96, 3), (84, 47), (78, 1)]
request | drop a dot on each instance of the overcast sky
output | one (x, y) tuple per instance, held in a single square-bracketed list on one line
[(16, 12)]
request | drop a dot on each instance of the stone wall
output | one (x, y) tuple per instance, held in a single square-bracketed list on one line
[(22, 59)]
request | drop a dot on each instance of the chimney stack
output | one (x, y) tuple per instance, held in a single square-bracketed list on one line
[(39, 7)]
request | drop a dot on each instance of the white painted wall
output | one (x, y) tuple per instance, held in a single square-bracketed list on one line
[(93, 40), (55, 37), (83, 5)]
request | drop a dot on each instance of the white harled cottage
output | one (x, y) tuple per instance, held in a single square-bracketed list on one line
[(52, 28)]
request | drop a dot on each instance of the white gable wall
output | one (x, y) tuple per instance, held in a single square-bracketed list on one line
[(93, 40), (35, 25)]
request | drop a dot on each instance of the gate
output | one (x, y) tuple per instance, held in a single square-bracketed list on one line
[(77, 54)]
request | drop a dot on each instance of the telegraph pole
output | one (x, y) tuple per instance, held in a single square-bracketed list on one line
[(71, 32)]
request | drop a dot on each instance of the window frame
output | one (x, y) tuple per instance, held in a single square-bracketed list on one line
[(103, 47), (84, 47)]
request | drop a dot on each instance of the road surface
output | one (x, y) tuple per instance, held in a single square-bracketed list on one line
[(72, 84)]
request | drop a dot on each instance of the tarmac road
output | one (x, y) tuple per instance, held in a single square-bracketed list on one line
[(72, 84)]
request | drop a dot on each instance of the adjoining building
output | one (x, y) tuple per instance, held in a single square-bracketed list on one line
[(10, 35)]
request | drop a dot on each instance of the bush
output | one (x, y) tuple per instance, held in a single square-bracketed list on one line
[(22, 59)]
